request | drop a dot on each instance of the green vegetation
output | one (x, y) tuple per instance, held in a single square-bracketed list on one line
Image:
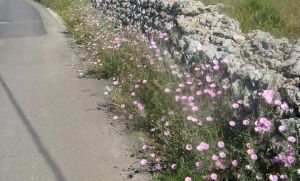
[(196, 128), (281, 18), (65, 9)]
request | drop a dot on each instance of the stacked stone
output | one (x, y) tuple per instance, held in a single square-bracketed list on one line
[(257, 60)]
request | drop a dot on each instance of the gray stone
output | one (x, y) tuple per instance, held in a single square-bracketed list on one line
[(226, 43), (293, 125), (257, 59), (238, 39)]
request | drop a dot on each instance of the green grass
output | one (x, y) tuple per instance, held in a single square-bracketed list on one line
[(281, 18)]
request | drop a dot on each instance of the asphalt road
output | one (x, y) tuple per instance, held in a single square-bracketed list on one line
[(49, 126)]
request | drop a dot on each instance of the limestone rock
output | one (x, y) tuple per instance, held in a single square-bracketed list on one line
[(238, 39), (192, 8)]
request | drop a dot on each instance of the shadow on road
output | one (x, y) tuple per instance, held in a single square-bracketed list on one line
[(38, 143)]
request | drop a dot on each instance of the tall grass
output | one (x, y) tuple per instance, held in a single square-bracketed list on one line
[(281, 18)]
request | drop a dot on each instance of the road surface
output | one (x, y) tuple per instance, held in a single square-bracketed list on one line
[(50, 128)]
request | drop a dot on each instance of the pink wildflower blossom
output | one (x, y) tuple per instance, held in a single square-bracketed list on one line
[(208, 79), (144, 147), (254, 157), (277, 102), (195, 108), (214, 176), (268, 95), (262, 125), (219, 164), (246, 122), (292, 139), (174, 166), (198, 165), (189, 147), (225, 61), (143, 162), (215, 158), (188, 179), (235, 105), (222, 154), (284, 106), (232, 123), (203, 146), (282, 128), (273, 178), (234, 163), (209, 119), (167, 133), (221, 144)]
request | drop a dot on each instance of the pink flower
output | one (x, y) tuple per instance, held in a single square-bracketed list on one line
[(215, 158), (199, 92), (157, 166), (282, 128), (169, 26), (115, 117), (209, 118), (144, 147), (298, 171), (219, 164), (202, 146), (222, 154), (235, 105), (195, 108), (145, 81), (198, 165), (208, 78), (234, 163), (221, 144), (167, 133), (188, 147), (277, 102), (253, 157), (284, 106), (140, 106), (225, 61), (268, 96), (214, 176), (273, 178), (174, 166), (262, 125), (167, 90), (246, 122), (292, 139), (188, 179), (232, 123), (250, 151), (143, 162)]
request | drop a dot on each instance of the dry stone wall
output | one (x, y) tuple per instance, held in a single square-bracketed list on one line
[(257, 59)]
